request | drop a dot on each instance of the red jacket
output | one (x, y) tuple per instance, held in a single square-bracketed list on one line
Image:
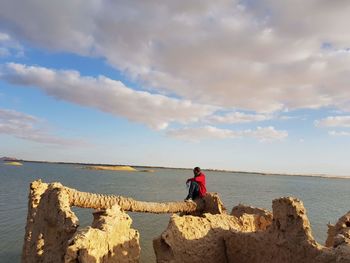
[(200, 179)]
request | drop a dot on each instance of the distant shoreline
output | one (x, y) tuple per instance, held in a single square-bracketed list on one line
[(182, 168)]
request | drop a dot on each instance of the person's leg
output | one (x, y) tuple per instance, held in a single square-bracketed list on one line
[(193, 192)]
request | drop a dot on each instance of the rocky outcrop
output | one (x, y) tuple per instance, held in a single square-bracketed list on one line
[(204, 232), (251, 235), (201, 239), (51, 231), (260, 219), (50, 223), (288, 239), (339, 234), (109, 239), (101, 201)]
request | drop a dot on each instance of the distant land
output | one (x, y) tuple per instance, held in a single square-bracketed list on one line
[(179, 168)]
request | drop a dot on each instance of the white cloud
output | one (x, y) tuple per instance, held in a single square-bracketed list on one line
[(27, 127), (339, 133), (238, 117), (334, 121), (107, 95), (209, 132), (9, 46), (251, 55)]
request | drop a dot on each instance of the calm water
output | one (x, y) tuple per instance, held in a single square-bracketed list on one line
[(325, 199)]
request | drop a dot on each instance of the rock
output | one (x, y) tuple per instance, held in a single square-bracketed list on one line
[(340, 232), (198, 239), (50, 223), (260, 218), (287, 240), (210, 203), (207, 234), (51, 227), (109, 239)]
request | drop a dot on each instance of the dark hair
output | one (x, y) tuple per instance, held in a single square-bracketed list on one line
[(197, 169)]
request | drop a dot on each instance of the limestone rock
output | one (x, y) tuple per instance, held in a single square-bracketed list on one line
[(109, 239), (197, 239), (288, 239), (259, 218), (50, 223), (340, 232)]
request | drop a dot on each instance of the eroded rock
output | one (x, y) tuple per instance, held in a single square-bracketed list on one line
[(198, 239), (288, 239), (340, 232), (209, 234), (109, 239), (50, 223), (260, 219)]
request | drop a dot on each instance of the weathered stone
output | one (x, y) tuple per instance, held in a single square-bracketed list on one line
[(287, 240), (340, 232), (109, 239), (198, 239), (50, 223), (249, 234), (260, 218)]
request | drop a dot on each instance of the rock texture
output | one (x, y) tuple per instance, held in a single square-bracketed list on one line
[(51, 231), (287, 240), (101, 201), (109, 239), (204, 232), (339, 234), (260, 219), (50, 223), (201, 239)]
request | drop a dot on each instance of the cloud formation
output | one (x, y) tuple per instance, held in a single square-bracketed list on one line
[(27, 127), (9, 47), (334, 121), (261, 56), (107, 95), (237, 117), (197, 134)]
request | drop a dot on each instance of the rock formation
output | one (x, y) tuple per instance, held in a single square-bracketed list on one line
[(201, 238), (51, 231), (260, 219), (339, 234), (100, 201), (51, 224), (203, 232), (288, 239), (109, 239)]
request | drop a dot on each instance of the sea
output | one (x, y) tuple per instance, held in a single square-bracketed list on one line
[(325, 199)]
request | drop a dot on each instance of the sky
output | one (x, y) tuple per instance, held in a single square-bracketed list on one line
[(240, 85)]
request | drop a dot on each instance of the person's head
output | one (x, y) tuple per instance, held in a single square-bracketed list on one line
[(196, 171)]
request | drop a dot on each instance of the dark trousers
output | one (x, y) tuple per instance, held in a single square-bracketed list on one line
[(193, 192)]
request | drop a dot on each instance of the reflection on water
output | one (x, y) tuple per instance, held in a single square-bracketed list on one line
[(324, 199)]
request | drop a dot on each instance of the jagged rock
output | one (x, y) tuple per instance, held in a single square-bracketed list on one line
[(210, 203), (260, 218), (287, 240), (248, 235), (198, 239), (109, 239), (340, 232), (50, 223)]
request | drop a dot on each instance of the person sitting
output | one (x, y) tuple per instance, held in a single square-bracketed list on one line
[(197, 186)]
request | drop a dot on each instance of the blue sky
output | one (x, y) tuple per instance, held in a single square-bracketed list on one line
[(234, 85)]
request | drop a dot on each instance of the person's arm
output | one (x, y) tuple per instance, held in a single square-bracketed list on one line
[(190, 180)]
